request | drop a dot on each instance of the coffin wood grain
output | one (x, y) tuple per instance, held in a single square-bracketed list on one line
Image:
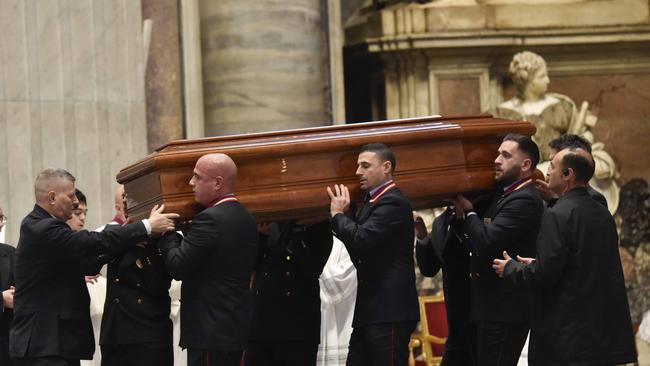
[(284, 174)]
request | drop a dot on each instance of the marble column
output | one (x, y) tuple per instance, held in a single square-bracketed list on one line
[(263, 65)]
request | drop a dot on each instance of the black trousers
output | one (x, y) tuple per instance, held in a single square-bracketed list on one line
[(281, 353), (380, 344), (213, 357), (500, 343), (138, 354), (44, 361), (460, 348)]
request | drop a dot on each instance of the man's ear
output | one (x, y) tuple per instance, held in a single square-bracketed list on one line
[(526, 164), (388, 167), (218, 182), (51, 196)]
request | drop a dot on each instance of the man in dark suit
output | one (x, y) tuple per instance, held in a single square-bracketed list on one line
[(444, 249), (583, 316), (510, 222), (215, 261), (7, 290), (51, 324), (380, 243), (558, 144), (286, 320)]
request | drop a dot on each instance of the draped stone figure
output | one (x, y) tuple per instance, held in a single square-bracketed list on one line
[(555, 114)]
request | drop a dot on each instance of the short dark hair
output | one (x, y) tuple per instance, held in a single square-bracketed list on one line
[(582, 167), (527, 145), (567, 141), (383, 152), (81, 197)]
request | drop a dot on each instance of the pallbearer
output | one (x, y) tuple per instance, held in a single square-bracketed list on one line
[(380, 243), (214, 261)]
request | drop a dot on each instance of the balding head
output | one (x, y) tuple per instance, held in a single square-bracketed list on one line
[(54, 191), (214, 176)]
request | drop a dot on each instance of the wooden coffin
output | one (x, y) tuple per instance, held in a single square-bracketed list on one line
[(284, 174)]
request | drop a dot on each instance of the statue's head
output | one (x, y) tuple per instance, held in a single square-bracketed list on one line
[(528, 71)]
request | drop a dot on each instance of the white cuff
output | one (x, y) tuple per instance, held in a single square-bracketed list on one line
[(147, 226)]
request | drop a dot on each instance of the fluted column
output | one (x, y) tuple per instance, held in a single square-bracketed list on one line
[(263, 65)]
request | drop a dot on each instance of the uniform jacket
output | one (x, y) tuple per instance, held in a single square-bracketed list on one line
[(215, 261), (51, 304), (511, 223), (582, 316), (443, 248), (380, 243), (6, 281), (287, 293), (137, 299)]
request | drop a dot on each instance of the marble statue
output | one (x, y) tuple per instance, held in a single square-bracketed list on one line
[(555, 114)]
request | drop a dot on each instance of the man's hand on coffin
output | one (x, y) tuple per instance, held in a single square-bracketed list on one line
[(546, 194), (462, 205), (420, 227), (161, 222), (339, 199), (264, 228)]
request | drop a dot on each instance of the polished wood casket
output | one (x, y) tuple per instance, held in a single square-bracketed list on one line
[(284, 174)]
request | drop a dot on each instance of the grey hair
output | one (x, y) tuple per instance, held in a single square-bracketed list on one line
[(51, 174)]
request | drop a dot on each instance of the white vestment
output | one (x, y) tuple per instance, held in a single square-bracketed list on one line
[(338, 291)]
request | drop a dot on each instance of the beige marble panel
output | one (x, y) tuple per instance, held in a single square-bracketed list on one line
[(48, 42), (62, 63), (4, 163), (87, 169), (14, 57), (67, 69), (19, 165), (82, 36), (53, 134), (588, 13), (115, 46)]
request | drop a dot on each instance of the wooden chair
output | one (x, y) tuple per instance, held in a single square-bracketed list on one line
[(433, 331)]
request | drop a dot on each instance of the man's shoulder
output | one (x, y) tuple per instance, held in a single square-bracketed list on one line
[(7, 249), (393, 196), (526, 194)]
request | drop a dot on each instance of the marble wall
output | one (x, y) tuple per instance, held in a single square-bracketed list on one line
[(71, 96)]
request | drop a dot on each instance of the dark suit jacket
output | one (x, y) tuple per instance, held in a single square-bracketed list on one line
[(513, 226), (582, 317), (287, 293), (443, 248), (51, 304), (6, 281), (215, 261), (137, 299), (380, 243), (594, 194)]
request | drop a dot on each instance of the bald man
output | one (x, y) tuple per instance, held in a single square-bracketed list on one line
[(51, 324), (215, 261)]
